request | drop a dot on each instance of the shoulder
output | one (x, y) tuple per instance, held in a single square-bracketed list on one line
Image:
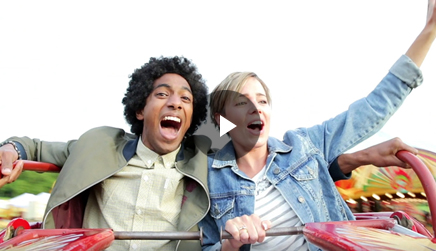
[(296, 135), (106, 134), (302, 131), (107, 131), (200, 142)]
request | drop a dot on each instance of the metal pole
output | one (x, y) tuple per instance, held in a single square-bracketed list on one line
[(272, 232), (198, 235), (150, 235)]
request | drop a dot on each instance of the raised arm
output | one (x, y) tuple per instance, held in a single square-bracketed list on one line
[(367, 116), (420, 47)]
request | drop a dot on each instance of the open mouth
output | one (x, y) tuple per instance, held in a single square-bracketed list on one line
[(256, 125), (170, 126)]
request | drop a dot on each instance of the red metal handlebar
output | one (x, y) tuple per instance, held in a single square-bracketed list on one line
[(427, 181), (36, 166)]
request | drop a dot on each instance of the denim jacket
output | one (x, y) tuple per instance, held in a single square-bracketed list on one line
[(299, 165)]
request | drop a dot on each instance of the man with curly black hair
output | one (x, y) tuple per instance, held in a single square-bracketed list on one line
[(141, 85), (152, 180)]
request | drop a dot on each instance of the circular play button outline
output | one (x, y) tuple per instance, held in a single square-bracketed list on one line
[(220, 136)]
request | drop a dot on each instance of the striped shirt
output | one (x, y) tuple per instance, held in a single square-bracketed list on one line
[(271, 205)]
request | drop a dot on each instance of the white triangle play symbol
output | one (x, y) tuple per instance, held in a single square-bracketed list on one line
[(225, 125)]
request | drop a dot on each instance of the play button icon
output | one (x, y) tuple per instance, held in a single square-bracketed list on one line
[(225, 126), (220, 134)]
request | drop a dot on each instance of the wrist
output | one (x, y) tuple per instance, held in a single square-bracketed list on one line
[(350, 161), (8, 142), (429, 31)]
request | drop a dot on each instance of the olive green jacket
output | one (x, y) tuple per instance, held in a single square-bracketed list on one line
[(102, 152)]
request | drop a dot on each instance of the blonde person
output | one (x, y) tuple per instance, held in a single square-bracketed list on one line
[(257, 181)]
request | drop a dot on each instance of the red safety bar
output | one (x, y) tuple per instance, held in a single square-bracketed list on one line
[(427, 181), (29, 165)]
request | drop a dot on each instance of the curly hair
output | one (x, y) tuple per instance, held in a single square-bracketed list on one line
[(141, 85)]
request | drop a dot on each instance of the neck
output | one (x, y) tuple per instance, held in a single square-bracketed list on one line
[(252, 162)]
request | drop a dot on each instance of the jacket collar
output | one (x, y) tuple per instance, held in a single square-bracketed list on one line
[(190, 145), (225, 157), (130, 149)]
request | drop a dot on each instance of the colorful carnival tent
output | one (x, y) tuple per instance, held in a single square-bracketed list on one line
[(367, 181)]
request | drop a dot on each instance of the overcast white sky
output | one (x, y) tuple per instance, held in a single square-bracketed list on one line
[(64, 66)]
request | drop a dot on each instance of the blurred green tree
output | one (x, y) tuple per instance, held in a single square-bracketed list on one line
[(29, 182)]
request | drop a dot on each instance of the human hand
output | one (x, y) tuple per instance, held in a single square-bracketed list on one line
[(431, 12), (384, 154), (245, 230), (8, 155), (381, 155)]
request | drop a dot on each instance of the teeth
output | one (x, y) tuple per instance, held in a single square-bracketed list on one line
[(172, 118), (257, 122)]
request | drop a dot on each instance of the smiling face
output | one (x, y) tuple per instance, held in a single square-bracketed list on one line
[(167, 114), (250, 112)]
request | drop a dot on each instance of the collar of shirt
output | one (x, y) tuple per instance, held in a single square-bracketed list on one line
[(150, 158)]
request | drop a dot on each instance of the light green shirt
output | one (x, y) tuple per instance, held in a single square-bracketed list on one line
[(146, 195)]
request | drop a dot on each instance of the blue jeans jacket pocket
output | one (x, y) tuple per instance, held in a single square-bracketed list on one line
[(222, 206)]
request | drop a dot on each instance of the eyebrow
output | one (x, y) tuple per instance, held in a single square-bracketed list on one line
[(169, 87), (257, 94)]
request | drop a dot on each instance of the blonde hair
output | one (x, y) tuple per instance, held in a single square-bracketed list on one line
[(228, 89)]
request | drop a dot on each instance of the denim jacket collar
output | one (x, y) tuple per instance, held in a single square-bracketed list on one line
[(225, 157)]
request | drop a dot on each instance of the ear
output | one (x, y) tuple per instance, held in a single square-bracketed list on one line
[(140, 114), (217, 119)]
